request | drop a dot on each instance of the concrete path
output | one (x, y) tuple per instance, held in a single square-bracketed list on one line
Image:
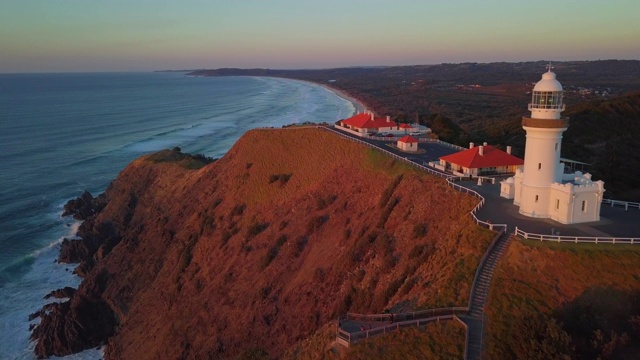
[(614, 221)]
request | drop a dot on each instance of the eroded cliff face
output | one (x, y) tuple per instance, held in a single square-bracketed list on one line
[(260, 249)]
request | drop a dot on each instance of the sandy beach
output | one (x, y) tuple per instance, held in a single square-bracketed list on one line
[(359, 105)]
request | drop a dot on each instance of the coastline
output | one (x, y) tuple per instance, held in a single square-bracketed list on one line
[(357, 103)]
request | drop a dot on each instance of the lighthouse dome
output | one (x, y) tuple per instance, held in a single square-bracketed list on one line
[(548, 83)]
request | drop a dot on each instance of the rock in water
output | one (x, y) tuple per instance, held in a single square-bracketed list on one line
[(66, 292), (83, 322), (84, 206)]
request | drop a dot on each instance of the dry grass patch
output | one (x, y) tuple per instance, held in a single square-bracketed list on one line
[(588, 294)]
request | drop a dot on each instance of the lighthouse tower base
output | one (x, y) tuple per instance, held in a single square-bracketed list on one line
[(576, 199)]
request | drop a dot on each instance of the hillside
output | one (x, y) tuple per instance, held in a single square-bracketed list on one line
[(252, 254), (565, 301)]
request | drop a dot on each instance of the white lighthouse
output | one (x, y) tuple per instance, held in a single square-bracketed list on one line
[(542, 189)]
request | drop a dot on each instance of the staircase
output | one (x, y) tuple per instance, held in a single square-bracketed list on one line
[(475, 318)]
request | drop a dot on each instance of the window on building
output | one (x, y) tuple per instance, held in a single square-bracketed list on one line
[(556, 146), (557, 204), (539, 166), (536, 198), (584, 205)]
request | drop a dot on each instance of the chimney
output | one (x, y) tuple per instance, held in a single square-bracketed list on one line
[(484, 143), (481, 150), (388, 118), (471, 145), (509, 150)]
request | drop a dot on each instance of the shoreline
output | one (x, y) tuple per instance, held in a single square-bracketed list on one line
[(357, 103)]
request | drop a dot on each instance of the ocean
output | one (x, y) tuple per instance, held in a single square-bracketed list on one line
[(61, 134)]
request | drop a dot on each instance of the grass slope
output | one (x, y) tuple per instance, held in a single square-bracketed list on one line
[(552, 300), (257, 251)]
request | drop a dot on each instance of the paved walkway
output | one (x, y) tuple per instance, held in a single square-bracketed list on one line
[(614, 221)]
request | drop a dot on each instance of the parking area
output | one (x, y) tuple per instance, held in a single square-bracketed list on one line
[(433, 151)]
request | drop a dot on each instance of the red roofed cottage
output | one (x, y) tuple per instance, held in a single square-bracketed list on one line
[(481, 160), (367, 123)]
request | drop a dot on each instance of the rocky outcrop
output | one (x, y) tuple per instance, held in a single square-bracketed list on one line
[(65, 292), (82, 322), (97, 240), (84, 206)]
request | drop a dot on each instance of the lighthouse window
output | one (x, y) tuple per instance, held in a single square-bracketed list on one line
[(539, 166), (536, 198), (557, 204), (556, 146), (584, 205), (547, 99)]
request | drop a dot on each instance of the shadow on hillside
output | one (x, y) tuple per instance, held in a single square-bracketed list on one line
[(603, 323)]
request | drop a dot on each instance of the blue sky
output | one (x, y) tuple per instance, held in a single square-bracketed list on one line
[(134, 35)]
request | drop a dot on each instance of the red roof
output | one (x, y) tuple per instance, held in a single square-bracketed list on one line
[(365, 121), (408, 139), (405, 126), (492, 157)]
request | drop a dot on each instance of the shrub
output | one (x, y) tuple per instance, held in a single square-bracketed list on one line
[(282, 178), (386, 194), (238, 210), (418, 250), (269, 256), (283, 225), (187, 253), (384, 216), (420, 230), (216, 202), (323, 202), (301, 243), (316, 222), (281, 240), (255, 229), (319, 275), (224, 238)]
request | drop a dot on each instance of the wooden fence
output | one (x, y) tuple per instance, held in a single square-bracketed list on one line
[(577, 239), (400, 321)]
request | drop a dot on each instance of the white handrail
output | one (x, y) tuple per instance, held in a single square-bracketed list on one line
[(578, 239), (626, 204)]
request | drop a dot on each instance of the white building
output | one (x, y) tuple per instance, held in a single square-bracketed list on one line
[(541, 189)]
